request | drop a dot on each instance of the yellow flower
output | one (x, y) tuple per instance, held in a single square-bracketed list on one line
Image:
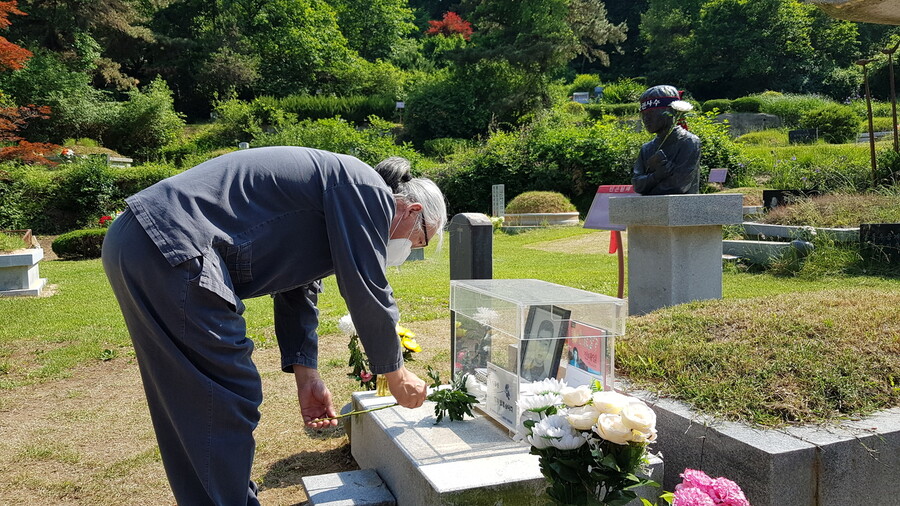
[(408, 339)]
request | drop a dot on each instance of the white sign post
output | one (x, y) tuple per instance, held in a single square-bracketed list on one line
[(498, 200)]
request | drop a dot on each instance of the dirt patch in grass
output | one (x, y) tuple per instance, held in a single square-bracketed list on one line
[(807, 358), (87, 438)]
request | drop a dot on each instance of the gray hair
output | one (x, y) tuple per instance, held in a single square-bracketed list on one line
[(419, 190)]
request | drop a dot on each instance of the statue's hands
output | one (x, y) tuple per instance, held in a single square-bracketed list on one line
[(657, 162)]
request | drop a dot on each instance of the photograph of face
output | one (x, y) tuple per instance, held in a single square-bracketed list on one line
[(542, 346)]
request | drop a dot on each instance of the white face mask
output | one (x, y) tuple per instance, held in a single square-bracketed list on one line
[(398, 251)]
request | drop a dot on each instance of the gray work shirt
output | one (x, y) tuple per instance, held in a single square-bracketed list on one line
[(275, 221), (682, 150)]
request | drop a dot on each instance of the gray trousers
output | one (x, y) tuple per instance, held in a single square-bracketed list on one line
[(202, 387)]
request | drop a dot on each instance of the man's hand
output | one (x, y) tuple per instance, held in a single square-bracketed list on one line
[(314, 397), (407, 388)]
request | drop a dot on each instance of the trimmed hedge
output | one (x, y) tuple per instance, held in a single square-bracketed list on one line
[(540, 202), (722, 104), (86, 243), (352, 108), (836, 123), (746, 104)]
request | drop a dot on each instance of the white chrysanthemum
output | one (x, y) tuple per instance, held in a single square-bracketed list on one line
[(345, 324), (555, 431), (681, 106), (547, 386), (486, 317), (569, 441), (538, 402)]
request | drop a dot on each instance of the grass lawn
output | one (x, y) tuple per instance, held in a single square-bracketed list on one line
[(76, 429)]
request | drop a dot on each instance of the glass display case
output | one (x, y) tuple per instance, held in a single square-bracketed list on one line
[(510, 334)]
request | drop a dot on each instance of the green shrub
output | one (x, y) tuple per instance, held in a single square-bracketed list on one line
[(879, 124), (623, 91), (540, 202), (717, 149), (836, 123), (573, 108), (445, 146), (595, 111), (628, 109), (146, 122), (769, 137), (552, 153), (351, 108), (827, 168), (790, 107), (888, 163), (370, 145), (86, 243), (467, 102), (584, 83), (10, 242), (84, 192), (746, 104), (722, 104), (131, 180)]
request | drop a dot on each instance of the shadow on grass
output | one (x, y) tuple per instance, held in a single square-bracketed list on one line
[(289, 471)]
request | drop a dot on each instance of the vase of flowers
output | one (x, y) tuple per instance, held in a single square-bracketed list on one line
[(592, 443)]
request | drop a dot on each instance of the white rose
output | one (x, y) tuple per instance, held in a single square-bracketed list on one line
[(610, 402), (610, 428), (576, 396), (643, 437), (583, 417), (638, 416)]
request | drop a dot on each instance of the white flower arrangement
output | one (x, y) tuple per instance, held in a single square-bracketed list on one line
[(600, 436)]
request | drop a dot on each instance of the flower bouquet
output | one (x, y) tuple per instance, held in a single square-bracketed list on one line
[(592, 443)]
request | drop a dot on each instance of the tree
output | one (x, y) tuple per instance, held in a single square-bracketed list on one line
[(12, 118), (593, 30), (374, 27), (105, 38), (451, 24)]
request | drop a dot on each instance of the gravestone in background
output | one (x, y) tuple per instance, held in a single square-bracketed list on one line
[(803, 136), (471, 246), (880, 242), (498, 200)]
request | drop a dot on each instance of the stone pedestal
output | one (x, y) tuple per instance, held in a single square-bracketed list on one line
[(453, 463), (674, 246), (19, 273)]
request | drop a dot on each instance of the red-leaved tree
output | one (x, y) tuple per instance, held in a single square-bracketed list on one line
[(13, 119), (451, 24)]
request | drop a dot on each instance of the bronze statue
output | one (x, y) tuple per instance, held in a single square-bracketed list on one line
[(670, 163)]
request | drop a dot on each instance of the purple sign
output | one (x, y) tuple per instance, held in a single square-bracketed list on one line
[(717, 175)]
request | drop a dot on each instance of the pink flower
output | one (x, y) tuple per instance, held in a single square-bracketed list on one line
[(365, 376), (690, 496), (697, 484)]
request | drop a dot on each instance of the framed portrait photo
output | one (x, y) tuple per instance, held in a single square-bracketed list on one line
[(544, 338)]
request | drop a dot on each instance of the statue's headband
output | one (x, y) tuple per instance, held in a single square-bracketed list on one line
[(657, 102)]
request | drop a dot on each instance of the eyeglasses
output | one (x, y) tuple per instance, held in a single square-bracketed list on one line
[(424, 229)]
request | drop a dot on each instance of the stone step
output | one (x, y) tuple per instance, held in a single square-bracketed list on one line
[(349, 488)]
